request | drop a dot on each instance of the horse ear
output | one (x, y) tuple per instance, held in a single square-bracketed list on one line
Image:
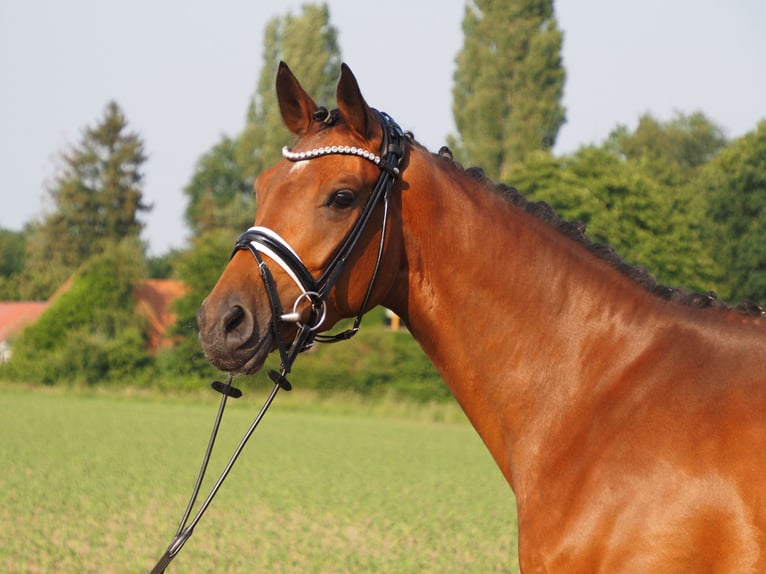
[(351, 105), (295, 104)]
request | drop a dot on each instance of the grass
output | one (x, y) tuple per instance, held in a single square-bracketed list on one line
[(97, 483)]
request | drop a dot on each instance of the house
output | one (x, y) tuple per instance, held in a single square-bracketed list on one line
[(153, 300)]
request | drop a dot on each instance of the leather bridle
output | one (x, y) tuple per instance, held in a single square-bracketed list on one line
[(262, 241)]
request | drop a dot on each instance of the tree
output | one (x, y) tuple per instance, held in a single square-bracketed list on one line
[(735, 184), (97, 197), (12, 248), (309, 44), (218, 195), (91, 332), (639, 192), (199, 268), (509, 83), (635, 206), (221, 190), (11, 252), (688, 141)]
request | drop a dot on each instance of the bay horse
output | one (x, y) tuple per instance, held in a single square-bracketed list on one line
[(629, 422)]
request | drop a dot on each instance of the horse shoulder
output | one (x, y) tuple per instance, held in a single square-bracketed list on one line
[(665, 467)]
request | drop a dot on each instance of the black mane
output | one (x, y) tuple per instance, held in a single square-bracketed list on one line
[(576, 231)]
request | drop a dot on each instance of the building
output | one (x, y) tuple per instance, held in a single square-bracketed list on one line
[(14, 316)]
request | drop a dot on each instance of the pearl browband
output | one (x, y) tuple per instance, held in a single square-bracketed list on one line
[(329, 150)]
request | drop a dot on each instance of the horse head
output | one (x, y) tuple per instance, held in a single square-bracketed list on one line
[(318, 250)]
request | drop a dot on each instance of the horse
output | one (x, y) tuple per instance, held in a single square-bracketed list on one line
[(629, 419)]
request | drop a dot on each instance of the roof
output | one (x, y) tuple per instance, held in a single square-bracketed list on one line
[(15, 315), (154, 298)]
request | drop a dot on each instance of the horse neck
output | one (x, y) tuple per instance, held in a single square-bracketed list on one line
[(512, 313)]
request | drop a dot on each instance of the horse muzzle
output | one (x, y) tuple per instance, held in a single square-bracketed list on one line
[(231, 336)]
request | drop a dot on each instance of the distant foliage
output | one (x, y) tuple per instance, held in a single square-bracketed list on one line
[(91, 332), (686, 141), (12, 252), (509, 82), (734, 183), (199, 268), (308, 42), (674, 196), (638, 193), (97, 197), (99, 192), (220, 192), (161, 266), (218, 195)]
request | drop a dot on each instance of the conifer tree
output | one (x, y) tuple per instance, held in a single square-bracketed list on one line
[(509, 82), (99, 193), (96, 197)]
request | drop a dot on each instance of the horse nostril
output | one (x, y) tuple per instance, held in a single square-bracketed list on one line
[(233, 319), (237, 326)]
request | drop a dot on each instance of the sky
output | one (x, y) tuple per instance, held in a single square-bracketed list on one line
[(183, 72)]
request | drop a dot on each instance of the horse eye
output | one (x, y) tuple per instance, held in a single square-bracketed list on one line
[(342, 199)]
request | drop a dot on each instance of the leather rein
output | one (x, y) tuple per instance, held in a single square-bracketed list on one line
[(262, 241)]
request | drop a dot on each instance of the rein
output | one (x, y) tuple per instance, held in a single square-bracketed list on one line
[(264, 241)]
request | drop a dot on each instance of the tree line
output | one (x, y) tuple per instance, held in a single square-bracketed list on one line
[(676, 196)]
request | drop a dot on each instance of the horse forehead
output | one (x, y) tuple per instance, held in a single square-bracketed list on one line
[(316, 173), (285, 188), (303, 175), (281, 177)]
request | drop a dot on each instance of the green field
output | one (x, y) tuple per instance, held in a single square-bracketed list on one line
[(98, 482)]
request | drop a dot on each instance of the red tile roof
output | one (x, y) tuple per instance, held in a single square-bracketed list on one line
[(153, 299), (15, 315)]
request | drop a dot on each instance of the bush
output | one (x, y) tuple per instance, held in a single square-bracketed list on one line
[(377, 361), (91, 332)]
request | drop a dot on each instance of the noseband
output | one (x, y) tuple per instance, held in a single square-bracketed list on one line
[(262, 241)]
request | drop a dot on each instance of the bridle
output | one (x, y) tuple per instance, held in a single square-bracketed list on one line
[(262, 241)]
